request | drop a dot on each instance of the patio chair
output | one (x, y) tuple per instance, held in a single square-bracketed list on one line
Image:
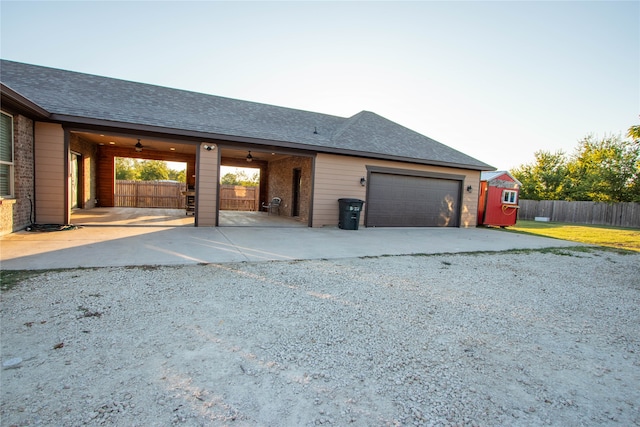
[(272, 206)]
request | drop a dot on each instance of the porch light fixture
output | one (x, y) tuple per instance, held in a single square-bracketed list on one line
[(138, 146), (249, 157), (209, 147), (363, 181), (469, 189)]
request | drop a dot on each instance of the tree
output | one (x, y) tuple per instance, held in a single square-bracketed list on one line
[(248, 181), (606, 170), (151, 170), (147, 170), (545, 179), (126, 168), (634, 134), (240, 177), (180, 176), (229, 179)]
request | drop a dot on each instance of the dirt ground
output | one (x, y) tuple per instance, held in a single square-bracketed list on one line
[(529, 338)]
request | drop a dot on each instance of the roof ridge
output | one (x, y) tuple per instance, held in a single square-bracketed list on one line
[(348, 122)]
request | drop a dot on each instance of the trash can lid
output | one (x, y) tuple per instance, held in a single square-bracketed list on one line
[(351, 200)]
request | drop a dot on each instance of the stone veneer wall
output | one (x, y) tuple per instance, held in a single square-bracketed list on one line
[(15, 214), (281, 184)]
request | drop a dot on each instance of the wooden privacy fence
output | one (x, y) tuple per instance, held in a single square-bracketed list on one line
[(160, 194), (616, 214), (150, 194), (239, 198)]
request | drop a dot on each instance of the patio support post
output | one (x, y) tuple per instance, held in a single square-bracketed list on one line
[(207, 183)]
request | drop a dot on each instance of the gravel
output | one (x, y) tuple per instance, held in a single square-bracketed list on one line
[(523, 339)]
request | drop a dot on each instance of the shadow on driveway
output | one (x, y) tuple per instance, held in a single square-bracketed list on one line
[(112, 245)]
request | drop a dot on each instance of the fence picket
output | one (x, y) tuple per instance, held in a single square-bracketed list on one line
[(149, 194), (616, 214), (157, 194), (239, 198)]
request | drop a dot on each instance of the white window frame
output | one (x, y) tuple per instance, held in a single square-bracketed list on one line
[(509, 197), (11, 163)]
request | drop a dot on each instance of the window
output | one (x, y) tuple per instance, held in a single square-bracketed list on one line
[(6, 155), (510, 197)]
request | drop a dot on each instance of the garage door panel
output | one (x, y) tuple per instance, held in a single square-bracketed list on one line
[(412, 201)]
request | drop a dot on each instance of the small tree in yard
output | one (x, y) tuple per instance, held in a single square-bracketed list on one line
[(545, 179), (240, 177), (606, 170), (126, 168), (151, 170)]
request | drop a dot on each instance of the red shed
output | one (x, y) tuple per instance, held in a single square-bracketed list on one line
[(498, 200)]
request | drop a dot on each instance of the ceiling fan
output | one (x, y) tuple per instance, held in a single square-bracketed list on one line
[(138, 147)]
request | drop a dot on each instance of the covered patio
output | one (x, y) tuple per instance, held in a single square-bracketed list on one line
[(157, 217)]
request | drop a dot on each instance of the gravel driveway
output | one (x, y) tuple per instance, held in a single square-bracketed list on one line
[(527, 338)]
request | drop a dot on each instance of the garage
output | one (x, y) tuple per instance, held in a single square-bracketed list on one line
[(399, 198), (62, 121)]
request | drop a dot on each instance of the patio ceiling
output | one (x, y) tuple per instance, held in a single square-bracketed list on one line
[(178, 147)]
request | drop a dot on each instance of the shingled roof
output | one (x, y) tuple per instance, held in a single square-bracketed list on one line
[(73, 97)]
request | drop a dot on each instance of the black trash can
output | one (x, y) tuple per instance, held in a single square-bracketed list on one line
[(349, 213)]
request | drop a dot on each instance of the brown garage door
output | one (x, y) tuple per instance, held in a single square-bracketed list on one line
[(412, 201)]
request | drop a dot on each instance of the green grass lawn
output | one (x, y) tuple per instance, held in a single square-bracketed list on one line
[(602, 235)]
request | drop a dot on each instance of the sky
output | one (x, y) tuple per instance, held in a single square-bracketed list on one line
[(495, 80)]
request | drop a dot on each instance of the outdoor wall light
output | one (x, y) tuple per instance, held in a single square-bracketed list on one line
[(209, 147), (469, 189), (249, 157), (363, 181)]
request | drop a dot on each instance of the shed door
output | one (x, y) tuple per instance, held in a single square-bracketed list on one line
[(412, 201)]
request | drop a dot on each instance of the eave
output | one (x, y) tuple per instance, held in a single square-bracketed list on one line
[(89, 123), (12, 99)]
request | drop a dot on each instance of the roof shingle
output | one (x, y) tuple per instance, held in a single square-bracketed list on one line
[(68, 95)]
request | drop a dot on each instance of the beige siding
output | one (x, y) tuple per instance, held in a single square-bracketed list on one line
[(207, 187), (51, 181), (469, 214), (339, 177), (336, 177)]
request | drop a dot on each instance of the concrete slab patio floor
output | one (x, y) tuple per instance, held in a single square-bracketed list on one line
[(177, 218), (163, 239)]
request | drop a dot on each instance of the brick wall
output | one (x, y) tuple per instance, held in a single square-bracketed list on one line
[(281, 184), (15, 213)]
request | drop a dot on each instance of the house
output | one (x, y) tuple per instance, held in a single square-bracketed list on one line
[(498, 199), (62, 130)]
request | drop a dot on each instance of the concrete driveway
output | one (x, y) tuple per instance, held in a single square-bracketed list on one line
[(174, 241)]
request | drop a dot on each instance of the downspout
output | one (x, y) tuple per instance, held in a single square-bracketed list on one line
[(484, 188), (32, 196), (197, 187), (313, 184), (217, 212)]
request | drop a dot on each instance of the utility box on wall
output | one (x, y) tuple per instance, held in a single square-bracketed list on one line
[(498, 199)]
